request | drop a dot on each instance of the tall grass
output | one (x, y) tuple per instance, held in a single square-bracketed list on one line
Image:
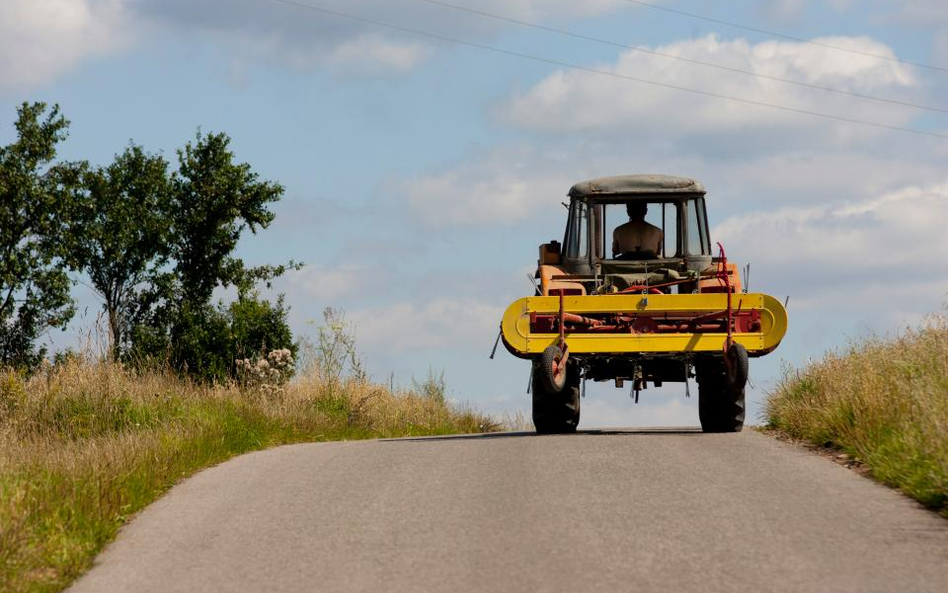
[(85, 444), (885, 402)]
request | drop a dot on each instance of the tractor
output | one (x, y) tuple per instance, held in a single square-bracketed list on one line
[(634, 293)]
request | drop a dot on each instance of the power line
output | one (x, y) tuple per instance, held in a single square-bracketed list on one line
[(684, 59), (784, 35), (570, 66)]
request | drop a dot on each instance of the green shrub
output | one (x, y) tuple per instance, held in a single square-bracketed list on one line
[(885, 402), (206, 343)]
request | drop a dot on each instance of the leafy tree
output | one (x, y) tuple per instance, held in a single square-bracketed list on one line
[(259, 326), (211, 339), (120, 232), (202, 343), (34, 203), (212, 201)]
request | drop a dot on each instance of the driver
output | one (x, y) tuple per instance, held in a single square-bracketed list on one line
[(637, 235)]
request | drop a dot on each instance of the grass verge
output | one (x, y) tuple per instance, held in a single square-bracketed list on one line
[(883, 402), (83, 446)]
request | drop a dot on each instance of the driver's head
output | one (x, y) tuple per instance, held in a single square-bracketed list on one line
[(636, 210)]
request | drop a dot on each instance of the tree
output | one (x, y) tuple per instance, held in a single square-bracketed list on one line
[(34, 203), (212, 201), (258, 326), (120, 232)]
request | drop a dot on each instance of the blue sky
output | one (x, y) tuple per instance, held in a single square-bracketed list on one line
[(421, 175)]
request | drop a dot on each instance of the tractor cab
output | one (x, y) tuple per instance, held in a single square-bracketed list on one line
[(631, 230)]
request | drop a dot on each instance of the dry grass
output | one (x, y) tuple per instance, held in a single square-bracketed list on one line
[(885, 402), (85, 445)]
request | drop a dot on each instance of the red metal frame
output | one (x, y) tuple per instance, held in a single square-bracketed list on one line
[(559, 365), (723, 275), (637, 322), (643, 289), (741, 321)]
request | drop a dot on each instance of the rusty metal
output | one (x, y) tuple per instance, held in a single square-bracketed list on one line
[(562, 323), (725, 277), (742, 321), (580, 320), (654, 289), (561, 364)]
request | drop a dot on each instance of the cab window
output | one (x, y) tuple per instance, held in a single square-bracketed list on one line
[(576, 241), (698, 241), (662, 215)]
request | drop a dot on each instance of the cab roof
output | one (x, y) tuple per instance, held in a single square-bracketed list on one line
[(629, 185)]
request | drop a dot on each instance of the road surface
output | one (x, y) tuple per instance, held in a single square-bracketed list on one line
[(651, 510)]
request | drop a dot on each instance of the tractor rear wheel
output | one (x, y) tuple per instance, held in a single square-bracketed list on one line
[(556, 412), (721, 391)]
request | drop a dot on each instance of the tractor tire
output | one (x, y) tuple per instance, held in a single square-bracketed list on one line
[(552, 374), (737, 367), (556, 412), (721, 391)]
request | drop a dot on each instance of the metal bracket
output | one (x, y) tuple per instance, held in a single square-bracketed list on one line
[(638, 383), (496, 343), (533, 281), (687, 382)]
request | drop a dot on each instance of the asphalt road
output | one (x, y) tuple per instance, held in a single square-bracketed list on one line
[(598, 511)]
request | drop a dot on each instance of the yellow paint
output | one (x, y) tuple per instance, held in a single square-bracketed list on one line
[(516, 323)]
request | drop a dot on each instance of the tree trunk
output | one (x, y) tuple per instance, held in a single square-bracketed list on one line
[(115, 331)]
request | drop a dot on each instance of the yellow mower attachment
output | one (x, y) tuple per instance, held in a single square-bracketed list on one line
[(644, 323)]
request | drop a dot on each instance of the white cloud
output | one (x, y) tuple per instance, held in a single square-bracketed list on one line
[(898, 234), (540, 9), (940, 48), (330, 285), (850, 268), (926, 12), (40, 39), (441, 323), (308, 39), (915, 16), (801, 177), (511, 185), (574, 101), (377, 54), (781, 11), (505, 188)]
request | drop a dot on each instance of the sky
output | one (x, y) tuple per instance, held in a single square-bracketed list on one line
[(421, 174)]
